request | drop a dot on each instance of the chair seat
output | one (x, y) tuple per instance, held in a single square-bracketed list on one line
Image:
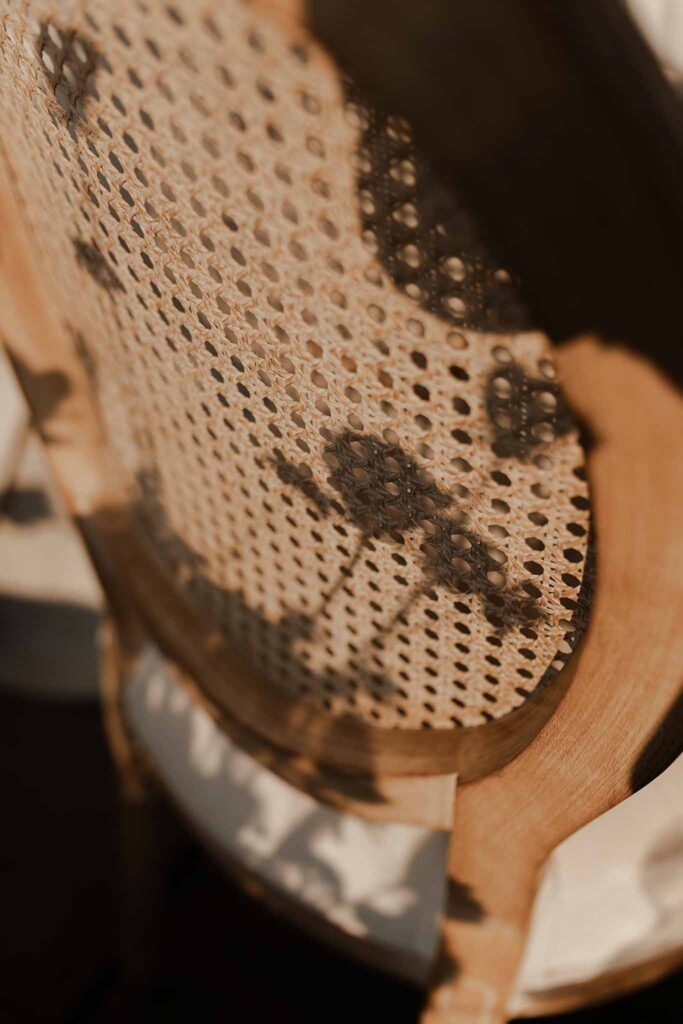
[(383, 883), (611, 898)]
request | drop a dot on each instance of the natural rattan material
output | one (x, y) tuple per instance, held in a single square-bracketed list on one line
[(383, 508)]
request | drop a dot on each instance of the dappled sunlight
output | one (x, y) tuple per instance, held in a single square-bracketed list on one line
[(379, 881)]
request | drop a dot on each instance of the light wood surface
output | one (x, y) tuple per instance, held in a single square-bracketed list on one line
[(625, 677)]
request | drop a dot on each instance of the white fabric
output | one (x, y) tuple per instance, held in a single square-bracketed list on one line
[(661, 22), (611, 897), (378, 881)]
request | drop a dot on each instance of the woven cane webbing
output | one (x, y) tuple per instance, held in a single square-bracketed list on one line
[(341, 432)]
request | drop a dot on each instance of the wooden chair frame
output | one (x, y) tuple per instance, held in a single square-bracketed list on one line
[(611, 697)]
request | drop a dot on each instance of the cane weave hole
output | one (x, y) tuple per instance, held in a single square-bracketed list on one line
[(341, 435)]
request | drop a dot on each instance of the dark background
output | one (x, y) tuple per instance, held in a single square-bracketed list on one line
[(222, 957)]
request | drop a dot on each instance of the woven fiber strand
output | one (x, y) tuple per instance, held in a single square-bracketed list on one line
[(379, 500)]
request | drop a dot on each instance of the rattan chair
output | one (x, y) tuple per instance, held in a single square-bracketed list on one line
[(317, 449)]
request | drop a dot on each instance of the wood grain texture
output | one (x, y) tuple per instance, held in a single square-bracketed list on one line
[(625, 677)]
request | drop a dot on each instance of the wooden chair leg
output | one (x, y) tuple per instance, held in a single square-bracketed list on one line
[(118, 651), (492, 885)]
